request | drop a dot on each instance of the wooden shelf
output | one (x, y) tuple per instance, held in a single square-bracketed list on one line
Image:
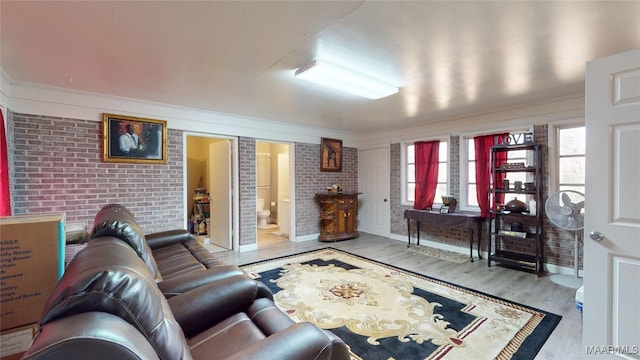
[(499, 242), (515, 260)]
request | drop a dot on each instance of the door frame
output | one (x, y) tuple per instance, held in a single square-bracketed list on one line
[(292, 187), (235, 201)]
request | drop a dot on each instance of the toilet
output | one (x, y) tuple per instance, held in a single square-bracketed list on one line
[(263, 214)]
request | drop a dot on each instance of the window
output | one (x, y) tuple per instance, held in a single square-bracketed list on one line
[(468, 193), (409, 178), (570, 164), (471, 198)]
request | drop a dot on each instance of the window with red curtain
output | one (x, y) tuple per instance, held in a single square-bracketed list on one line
[(426, 173), (5, 205), (483, 146)]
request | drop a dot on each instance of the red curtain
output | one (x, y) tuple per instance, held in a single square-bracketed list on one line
[(483, 146), (5, 205), (426, 153)]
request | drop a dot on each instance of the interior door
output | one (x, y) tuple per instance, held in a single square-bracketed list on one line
[(373, 182), (612, 208), (221, 193)]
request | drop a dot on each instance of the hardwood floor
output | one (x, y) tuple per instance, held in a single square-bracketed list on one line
[(517, 286)]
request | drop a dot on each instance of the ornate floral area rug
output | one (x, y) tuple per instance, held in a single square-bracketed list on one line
[(384, 312)]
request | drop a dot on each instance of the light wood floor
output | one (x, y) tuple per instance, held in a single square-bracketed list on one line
[(517, 286)]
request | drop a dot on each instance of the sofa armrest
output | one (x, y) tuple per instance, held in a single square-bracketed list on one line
[(165, 238), (202, 307), (189, 281), (301, 341)]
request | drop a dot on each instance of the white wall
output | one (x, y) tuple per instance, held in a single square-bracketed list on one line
[(529, 115), (48, 101), (40, 100)]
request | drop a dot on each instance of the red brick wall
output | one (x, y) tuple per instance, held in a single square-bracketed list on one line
[(310, 180), (57, 167), (557, 243), (248, 182)]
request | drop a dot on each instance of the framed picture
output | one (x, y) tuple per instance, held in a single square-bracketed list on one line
[(330, 155), (133, 140), (444, 209)]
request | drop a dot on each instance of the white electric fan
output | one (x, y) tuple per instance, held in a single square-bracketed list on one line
[(565, 209)]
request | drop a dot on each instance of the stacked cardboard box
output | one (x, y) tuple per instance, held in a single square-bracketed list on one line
[(31, 263)]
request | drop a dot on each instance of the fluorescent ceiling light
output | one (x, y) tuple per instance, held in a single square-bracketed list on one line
[(339, 78)]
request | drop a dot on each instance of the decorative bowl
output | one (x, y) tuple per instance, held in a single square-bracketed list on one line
[(515, 206)]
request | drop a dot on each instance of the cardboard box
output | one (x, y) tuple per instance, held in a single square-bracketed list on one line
[(31, 263), (14, 342)]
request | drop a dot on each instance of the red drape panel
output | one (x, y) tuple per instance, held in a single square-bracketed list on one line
[(5, 205), (426, 173), (483, 146)]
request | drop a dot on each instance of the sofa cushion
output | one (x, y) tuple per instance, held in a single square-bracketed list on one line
[(176, 259), (117, 221), (108, 276), (226, 338)]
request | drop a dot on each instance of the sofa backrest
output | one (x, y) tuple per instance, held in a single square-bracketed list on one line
[(108, 276), (117, 221)]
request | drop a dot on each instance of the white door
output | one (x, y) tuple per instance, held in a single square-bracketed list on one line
[(221, 194), (612, 208), (373, 182)]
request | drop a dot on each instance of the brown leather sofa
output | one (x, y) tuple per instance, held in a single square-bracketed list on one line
[(108, 306), (175, 258)]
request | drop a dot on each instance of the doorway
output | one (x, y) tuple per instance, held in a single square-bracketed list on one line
[(273, 192), (210, 200)]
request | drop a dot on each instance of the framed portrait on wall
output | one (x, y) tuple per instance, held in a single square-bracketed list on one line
[(130, 139), (330, 155)]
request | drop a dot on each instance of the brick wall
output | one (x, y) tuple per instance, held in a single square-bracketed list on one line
[(398, 224), (557, 243), (445, 235), (309, 181), (57, 167), (247, 180)]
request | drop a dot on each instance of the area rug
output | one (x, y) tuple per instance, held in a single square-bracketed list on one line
[(384, 312), (439, 253)]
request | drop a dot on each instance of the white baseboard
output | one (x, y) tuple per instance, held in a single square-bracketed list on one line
[(248, 247), (550, 268), (306, 237)]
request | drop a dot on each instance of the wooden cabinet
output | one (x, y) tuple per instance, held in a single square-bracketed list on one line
[(338, 216), (515, 237)]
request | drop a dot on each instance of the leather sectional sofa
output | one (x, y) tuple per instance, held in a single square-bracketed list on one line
[(110, 304), (175, 258)]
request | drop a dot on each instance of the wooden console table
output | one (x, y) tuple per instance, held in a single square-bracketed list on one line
[(456, 219)]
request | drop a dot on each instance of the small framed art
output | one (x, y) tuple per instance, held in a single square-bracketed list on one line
[(330, 155)]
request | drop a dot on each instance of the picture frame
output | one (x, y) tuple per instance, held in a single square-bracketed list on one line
[(444, 209), (128, 139), (330, 155)]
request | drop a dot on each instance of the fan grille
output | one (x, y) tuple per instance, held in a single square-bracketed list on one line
[(565, 209)]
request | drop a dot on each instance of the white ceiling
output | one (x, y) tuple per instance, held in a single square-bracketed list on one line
[(450, 59)]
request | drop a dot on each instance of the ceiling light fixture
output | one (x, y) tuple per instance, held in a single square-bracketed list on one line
[(342, 79)]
